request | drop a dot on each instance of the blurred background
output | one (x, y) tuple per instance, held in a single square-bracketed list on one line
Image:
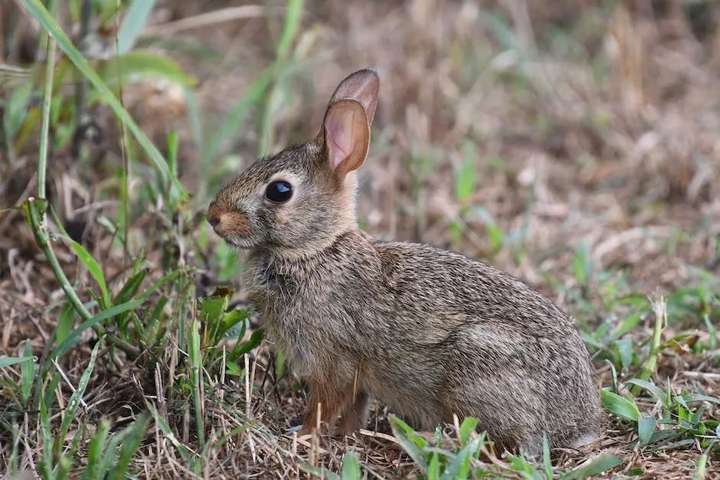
[(523, 132), (574, 143)]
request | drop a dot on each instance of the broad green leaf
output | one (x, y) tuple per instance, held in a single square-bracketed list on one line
[(133, 24), (657, 393), (459, 467), (467, 427), (66, 319), (350, 467), (212, 311), (625, 349), (109, 456), (232, 318), (646, 428), (408, 440), (620, 406)]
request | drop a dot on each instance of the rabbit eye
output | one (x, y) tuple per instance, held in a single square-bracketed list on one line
[(279, 191)]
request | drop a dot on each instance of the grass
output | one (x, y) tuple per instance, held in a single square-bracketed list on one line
[(148, 362)]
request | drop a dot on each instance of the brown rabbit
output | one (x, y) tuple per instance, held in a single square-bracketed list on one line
[(428, 332)]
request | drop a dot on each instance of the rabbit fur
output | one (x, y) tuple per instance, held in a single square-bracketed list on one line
[(429, 333)]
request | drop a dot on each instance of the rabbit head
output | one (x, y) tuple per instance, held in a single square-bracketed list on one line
[(303, 197)]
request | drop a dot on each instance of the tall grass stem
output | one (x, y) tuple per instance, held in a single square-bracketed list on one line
[(45, 129)]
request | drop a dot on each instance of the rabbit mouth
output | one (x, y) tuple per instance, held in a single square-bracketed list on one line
[(240, 242)]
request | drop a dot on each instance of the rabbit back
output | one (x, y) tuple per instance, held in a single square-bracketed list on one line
[(431, 334)]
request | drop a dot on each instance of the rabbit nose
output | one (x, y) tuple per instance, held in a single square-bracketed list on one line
[(213, 215)]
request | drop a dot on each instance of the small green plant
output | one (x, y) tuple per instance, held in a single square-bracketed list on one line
[(676, 420), (350, 469), (471, 455)]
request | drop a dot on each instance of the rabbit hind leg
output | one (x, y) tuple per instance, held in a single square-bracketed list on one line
[(325, 402), (354, 415)]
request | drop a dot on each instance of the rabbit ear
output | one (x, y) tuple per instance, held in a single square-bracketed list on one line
[(346, 136), (362, 86)]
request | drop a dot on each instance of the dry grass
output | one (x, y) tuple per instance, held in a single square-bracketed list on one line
[(591, 129)]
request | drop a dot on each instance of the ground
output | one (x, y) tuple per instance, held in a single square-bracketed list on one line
[(574, 144)]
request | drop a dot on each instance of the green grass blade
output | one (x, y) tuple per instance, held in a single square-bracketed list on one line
[(27, 373), (110, 454), (161, 423), (232, 121), (459, 467), (74, 336), (595, 467), (433, 472), (466, 176), (547, 463), (95, 451), (402, 432), (650, 365), (7, 361), (196, 375), (38, 11), (135, 65), (132, 285), (130, 444), (701, 465), (133, 23), (93, 267), (45, 128), (75, 399), (657, 393), (46, 464), (319, 472), (290, 28)]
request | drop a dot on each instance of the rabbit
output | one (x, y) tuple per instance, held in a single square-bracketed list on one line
[(427, 332)]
